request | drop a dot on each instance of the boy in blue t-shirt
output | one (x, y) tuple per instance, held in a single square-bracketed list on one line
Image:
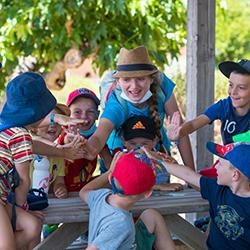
[(228, 195), (233, 111)]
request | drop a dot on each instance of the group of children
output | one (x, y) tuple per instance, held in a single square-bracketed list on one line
[(137, 105)]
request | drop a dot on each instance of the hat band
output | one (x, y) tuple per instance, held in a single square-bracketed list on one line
[(134, 67)]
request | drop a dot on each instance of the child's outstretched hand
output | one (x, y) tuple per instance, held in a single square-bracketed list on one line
[(174, 126), (171, 187), (158, 156), (67, 121), (74, 150)]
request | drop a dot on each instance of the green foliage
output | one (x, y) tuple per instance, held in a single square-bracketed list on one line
[(232, 30), (102, 27)]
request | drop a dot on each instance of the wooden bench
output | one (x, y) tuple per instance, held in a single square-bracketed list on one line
[(74, 215)]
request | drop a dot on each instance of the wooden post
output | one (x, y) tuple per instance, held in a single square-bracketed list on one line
[(200, 72)]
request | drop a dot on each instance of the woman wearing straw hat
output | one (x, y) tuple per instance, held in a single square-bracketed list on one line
[(140, 83), (27, 106)]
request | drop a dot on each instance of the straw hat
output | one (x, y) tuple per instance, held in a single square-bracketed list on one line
[(134, 63)]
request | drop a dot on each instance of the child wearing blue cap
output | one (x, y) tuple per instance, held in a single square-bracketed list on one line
[(233, 111), (27, 106), (228, 195)]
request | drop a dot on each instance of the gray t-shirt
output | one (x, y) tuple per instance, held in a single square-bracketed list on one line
[(110, 228)]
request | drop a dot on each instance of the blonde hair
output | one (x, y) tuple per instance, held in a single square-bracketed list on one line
[(153, 107)]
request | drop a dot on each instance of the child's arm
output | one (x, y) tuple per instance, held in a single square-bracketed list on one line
[(175, 130), (97, 141), (24, 182), (97, 183), (71, 151), (59, 188), (184, 146), (182, 172), (101, 181), (106, 156)]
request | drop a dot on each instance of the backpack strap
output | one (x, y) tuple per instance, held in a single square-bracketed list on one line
[(12, 178), (117, 91)]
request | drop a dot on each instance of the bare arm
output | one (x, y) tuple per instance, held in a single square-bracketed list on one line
[(70, 151), (101, 181), (184, 145), (97, 141), (59, 188), (106, 156), (24, 182), (97, 183), (193, 125), (180, 171)]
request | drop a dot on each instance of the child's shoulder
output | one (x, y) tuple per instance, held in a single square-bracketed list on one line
[(18, 132)]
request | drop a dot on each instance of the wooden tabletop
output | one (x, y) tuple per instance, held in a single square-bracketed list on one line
[(73, 209)]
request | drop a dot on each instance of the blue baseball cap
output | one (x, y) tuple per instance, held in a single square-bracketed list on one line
[(227, 67), (238, 154), (28, 101)]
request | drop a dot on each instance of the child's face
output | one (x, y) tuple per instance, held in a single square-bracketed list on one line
[(139, 142), (224, 171), (135, 87), (239, 90), (49, 132), (85, 109)]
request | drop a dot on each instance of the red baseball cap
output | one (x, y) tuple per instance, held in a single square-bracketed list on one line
[(84, 93), (135, 173)]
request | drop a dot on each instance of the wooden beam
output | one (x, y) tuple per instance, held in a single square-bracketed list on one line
[(200, 72), (185, 232), (63, 236)]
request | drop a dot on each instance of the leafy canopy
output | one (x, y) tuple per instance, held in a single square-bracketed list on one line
[(46, 29), (232, 30)]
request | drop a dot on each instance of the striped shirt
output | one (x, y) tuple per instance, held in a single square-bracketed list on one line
[(15, 148)]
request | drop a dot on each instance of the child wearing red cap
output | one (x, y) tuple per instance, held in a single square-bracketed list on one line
[(228, 195), (111, 223), (83, 104)]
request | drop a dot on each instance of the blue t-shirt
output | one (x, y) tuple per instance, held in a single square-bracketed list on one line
[(230, 216), (231, 123), (115, 112), (110, 228)]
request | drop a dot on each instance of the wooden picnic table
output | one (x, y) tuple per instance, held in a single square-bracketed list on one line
[(74, 214)]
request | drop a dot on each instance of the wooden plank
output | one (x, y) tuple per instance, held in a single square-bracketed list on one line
[(63, 236), (74, 210), (75, 214), (187, 233), (200, 72)]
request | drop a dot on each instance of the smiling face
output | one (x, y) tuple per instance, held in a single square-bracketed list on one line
[(135, 87), (49, 132), (85, 109), (239, 91)]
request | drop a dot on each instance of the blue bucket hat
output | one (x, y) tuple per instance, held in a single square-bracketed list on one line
[(237, 153), (28, 101)]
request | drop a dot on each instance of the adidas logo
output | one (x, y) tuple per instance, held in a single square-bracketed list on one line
[(138, 125)]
